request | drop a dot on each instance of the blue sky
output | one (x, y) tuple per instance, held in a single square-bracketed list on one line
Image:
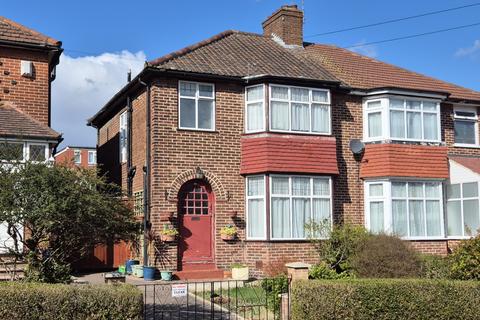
[(107, 36)]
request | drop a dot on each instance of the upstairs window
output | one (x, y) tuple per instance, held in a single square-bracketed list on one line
[(466, 126), (297, 109), (123, 137), (77, 156), (197, 106), (92, 157), (255, 109), (402, 119)]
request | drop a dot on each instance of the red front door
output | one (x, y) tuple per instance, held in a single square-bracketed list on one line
[(196, 218)]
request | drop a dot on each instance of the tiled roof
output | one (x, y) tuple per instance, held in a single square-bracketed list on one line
[(362, 72), (241, 54), (472, 163), (15, 32), (15, 123)]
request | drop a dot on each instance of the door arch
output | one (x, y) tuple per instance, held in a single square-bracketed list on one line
[(196, 206)]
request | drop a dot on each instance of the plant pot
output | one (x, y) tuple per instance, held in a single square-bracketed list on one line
[(228, 237), (167, 238), (121, 269), (240, 273), (148, 273), (139, 270), (128, 265), (166, 275)]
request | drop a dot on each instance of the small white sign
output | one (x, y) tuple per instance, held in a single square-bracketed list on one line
[(179, 290)]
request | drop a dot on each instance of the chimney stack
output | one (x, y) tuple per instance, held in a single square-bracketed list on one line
[(286, 23)]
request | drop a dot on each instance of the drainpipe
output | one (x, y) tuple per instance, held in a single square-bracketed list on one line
[(130, 170), (146, 178)]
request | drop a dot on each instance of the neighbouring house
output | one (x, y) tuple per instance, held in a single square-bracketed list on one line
[(27, 69), (267, 132), (85, 157)]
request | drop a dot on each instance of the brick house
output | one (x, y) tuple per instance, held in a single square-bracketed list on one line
[(85, 157), (267, 132), (27, 69)]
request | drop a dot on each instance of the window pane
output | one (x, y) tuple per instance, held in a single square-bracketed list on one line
[(321, 187), (300, 117), (471, 217), (464, 132), (434, 221), (77, 155), (205, 90), (320, 118), (255, 93), (280, 116), (205, 114), (429, 106), (417, 222), (280, 185), (397, 104), (430, 126), (432, 190), (376, 190), (187, 113), (399, 189), (321, 211), (319, 96), (301, 186), (375, 124), (470, 190), (280, 93), (453, 191), (255, 186), (374, 104), (188, 89), (37, 153), (256, 218), (300, 95), (414, 125), (415, 189), (280, 218), (454, 218), (376, 217), (399, 213), (413, 105), (11, 151), (397, 124), (255, 116), (301, 216)]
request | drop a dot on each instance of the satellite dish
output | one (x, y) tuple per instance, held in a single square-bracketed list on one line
[(357, 146)]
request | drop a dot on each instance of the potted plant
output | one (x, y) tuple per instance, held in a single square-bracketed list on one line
[(239, 271), (148, 270), (168, 234), (228, 233), (166, 275)]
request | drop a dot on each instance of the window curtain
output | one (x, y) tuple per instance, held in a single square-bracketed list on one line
[(255, 186), (414, 125), (256, 218), (430, 126), (471, 217), (255, 116), (320, 118), (321, 187), (280, 185), (454, 218), (280, 116), (399, 217), (321, 214), (375, 124), (205, 114), (301, 216), (280, 218), (434, 222), (397, 124), (376, 217), (417, 223), (300, 117)]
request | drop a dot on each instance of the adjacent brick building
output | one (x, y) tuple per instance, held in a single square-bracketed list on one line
[(267, 132), (85, 157)]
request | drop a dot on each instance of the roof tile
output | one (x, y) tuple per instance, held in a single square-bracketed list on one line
[(15, 32)]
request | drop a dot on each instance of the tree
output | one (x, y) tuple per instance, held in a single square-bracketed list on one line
[(64, 213)]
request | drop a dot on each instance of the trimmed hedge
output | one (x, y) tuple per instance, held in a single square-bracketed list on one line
[(385, 299), (72, 302)]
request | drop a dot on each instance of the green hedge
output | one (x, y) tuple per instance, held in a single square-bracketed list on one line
[(72, 302), (383, 299)]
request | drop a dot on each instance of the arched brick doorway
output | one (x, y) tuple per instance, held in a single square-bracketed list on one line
[(196, 206)]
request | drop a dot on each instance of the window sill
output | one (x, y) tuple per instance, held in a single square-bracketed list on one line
[(470, 146), (301, 132), (426, 239), (283, 240), (197, 130), (460, 237)]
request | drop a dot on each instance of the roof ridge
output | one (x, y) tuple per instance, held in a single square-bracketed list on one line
[(11, 105), (195, 46), (47, 39), (393, 65)]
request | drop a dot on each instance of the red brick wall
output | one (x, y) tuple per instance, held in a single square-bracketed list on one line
[(67, 158), (28, 94)]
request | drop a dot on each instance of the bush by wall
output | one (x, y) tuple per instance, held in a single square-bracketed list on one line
[(62, 302), (385, 299), (465, 259)]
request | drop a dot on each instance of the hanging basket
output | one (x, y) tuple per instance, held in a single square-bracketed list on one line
[(167, 237), (228, 237)]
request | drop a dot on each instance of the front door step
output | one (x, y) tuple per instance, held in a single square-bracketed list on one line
[(212, 274)]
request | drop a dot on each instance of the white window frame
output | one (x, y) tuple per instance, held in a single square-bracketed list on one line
[(123, 140), (26, 148), (253, 102), (473, 119), (264, 197), (291, 196), (388, 212), (461, 199), (289, 101), (94, 153), (75, 152), (385, 116), (196, 98)]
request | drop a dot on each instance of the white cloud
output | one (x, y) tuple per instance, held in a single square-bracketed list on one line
[(368, 50), (469, 51), (83, 85)]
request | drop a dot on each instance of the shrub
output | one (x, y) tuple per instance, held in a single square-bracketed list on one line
[(466, 260), (385, 299), (277, 267), (435, 267), (48, 301), (384, 256), (273, 288), (324, 271)]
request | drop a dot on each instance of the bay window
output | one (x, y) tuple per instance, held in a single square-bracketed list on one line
[(196, 106), (466, 126), (12, 150), (256, 221), (463, 212), (408, 209), (404, 119)]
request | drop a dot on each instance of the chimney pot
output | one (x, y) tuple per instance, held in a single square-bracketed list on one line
[(286, 23)]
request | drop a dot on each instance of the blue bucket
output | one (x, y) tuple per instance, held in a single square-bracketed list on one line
[(148, 273), (128, 265)]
